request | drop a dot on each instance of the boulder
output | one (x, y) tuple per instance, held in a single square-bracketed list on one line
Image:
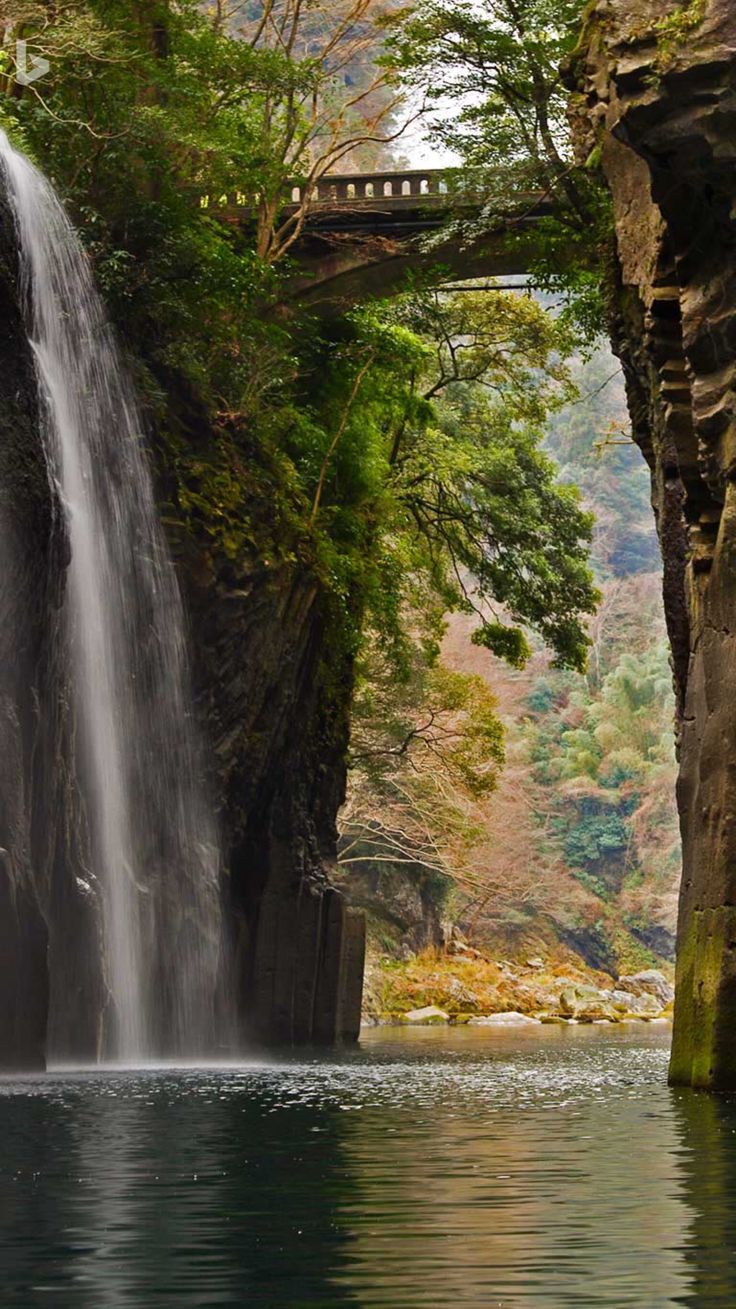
[(509, 1019), (624, 1001), (587, 1004), (649, 982), (628, 1002), (428, 1016)]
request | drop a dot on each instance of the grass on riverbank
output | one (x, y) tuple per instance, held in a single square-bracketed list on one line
[(470, 984)]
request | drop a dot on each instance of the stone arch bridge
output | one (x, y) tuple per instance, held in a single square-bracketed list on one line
[(366, 234)]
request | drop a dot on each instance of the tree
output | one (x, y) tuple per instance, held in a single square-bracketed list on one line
[(473, 481), (493, 74), (423, 758), (472, 519), (331, 103), (499, 65)]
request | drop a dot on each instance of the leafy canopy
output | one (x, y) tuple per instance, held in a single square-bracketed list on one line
[(492, 75)]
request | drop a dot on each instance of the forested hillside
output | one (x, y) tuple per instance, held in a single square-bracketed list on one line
[(597, 752), (576, 846)]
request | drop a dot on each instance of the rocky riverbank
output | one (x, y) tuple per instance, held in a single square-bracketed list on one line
[(466, 987)]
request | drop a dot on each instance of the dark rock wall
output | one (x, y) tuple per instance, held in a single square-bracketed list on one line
[(662, 109), (275, 693), (404, 903)]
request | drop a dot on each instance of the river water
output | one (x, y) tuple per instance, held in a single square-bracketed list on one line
[(433, 1167)]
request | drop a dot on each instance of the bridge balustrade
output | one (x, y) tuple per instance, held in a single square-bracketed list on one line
[(378, 190), (379, 186), (362, 188)]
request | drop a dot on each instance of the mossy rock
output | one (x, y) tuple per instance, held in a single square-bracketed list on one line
[(428, 1016)]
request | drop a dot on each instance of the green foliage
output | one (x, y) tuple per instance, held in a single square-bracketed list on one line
[(608, 752), (140, 112), (674, 28), (508, 643), (406, 438), (627, 728), (567, 256), (418, 443), (591, 443), (499, 65), (596, 839), (592, 883), (471, 482)]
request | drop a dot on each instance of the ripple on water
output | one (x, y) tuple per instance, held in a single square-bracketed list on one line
[(430, 1168)]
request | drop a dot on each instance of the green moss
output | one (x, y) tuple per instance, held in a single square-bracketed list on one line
[(237, 497), (630, 954), (674, 29), (703, 1049)]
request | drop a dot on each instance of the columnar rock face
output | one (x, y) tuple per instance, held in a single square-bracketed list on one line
[(276, 695), (656, 94)]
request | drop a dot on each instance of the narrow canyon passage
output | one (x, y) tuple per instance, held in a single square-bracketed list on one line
[(367, 745)]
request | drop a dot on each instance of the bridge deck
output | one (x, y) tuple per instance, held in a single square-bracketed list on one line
[(399, 202)]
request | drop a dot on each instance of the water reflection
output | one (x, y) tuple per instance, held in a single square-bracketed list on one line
[(707, 1130), (569, 1197), (429, 1169), (167, 1190)]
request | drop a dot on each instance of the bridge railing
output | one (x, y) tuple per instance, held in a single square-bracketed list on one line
[(362, 188), (395, 189)]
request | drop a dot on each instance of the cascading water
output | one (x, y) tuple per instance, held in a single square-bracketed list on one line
[(153, 835)]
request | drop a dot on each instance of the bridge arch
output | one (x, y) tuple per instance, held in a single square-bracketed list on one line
[(365, 234)]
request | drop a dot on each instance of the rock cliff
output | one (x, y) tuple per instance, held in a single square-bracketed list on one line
[(276, 695), (655, 100)]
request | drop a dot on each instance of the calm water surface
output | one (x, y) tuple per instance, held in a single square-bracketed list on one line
[(429, 1168)]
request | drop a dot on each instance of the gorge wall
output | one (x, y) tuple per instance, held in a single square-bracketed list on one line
[(655, 101), (259, 633), (275, 696)]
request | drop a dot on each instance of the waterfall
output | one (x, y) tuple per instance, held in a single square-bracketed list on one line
[(153, 836)]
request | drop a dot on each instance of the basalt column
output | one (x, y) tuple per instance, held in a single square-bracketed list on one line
[(655, 95), (277, 692)]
